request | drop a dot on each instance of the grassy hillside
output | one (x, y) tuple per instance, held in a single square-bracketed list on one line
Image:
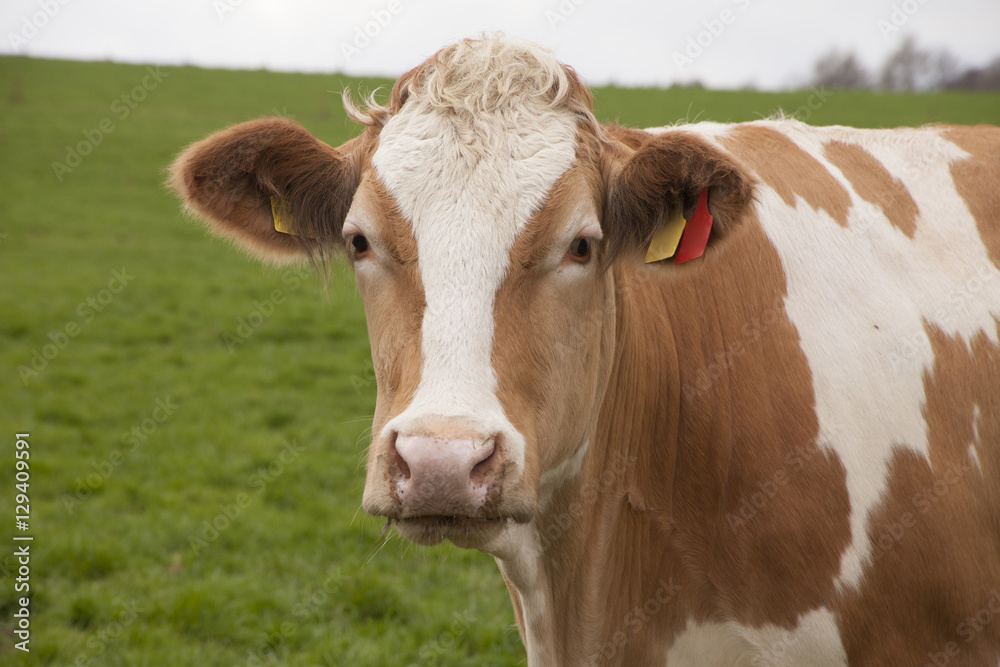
[(198, 423)]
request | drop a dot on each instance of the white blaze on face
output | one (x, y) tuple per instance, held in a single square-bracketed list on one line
[(468, 192)]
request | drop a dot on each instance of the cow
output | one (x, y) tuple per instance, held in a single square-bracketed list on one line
[(776, 444)]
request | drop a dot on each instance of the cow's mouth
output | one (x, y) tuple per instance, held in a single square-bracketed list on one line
[(464, 531)]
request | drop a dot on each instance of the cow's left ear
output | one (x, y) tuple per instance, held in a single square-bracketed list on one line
[(650, 180)]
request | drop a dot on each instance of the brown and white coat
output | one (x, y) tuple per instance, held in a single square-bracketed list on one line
[(784, 453)]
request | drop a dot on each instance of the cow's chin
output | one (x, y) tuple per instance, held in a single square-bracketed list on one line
[(464, 532)]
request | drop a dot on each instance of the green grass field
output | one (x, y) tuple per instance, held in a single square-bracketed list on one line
[(198, 423)]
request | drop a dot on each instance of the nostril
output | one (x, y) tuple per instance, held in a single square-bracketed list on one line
[(398, 464), (486, 466)]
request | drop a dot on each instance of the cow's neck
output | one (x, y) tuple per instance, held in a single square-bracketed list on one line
[(607, 562)]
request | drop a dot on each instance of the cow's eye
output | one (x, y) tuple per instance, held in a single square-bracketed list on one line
[(580, 250), (359, 245)]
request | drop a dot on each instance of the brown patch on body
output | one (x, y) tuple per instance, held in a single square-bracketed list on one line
[(789, 170), (753, 492), (932, 589), (873, 183), (661, 532), (976, 180)]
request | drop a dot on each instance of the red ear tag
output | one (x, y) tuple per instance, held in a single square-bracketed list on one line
[(696, 232)]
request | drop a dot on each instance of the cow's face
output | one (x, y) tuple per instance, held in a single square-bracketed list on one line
[(480, 229), (489, 313)]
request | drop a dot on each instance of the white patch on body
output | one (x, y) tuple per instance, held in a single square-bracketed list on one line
[(815, 641), (860, 296)]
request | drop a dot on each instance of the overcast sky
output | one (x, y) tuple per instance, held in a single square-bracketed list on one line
[(721, 43)]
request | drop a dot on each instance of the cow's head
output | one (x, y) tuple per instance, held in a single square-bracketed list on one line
[(483, 210)]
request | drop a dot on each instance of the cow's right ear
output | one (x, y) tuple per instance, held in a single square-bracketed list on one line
[(245, 181)]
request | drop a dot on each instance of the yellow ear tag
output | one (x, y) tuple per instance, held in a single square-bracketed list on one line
[(665, 240), (281, 212)]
